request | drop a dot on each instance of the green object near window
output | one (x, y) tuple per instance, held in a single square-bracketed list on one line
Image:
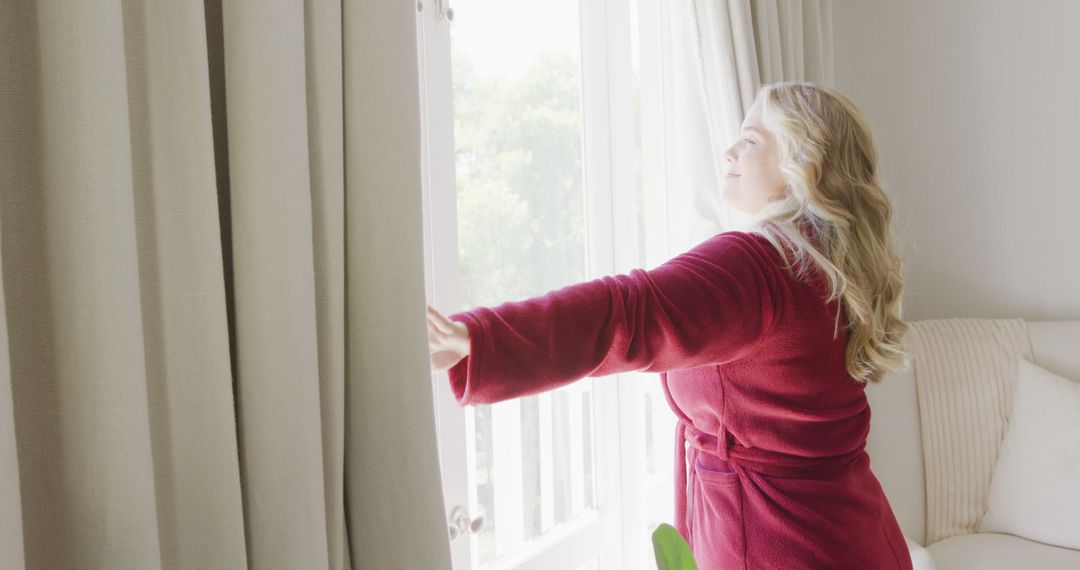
[(672, 552)]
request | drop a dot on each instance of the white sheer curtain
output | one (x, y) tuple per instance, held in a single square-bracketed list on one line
[(696, 210), (742, 44)]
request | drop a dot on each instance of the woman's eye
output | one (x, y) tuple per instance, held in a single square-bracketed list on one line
[(749, 141)]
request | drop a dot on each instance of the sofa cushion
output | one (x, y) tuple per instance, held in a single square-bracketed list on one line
[(1034, 492), (965, 369), (998, 551)]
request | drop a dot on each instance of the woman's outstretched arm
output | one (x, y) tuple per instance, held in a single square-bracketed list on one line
[(711, 304)]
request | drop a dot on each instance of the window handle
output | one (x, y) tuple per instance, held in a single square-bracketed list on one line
[(445, 12), (460, 523)]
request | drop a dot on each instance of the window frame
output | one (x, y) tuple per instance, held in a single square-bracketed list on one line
[(613, 533)]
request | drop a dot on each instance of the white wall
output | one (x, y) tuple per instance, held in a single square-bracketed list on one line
[(976, 106)]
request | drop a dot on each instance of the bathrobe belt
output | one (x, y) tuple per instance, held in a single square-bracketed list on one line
[(763, 461)]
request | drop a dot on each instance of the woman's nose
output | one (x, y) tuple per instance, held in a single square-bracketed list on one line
[(729, 155)]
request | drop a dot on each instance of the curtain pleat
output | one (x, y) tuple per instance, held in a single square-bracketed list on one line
[(395, 503), (12, 554), (278, 412), (75, 322), (200, 519), (326, 157), (213, 348), (20, 165)]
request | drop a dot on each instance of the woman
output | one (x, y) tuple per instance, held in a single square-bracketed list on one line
[(764, 340)]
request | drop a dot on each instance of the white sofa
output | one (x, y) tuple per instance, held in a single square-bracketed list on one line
[(895, 448)]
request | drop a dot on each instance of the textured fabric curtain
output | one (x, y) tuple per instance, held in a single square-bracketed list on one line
[(213, 344), (743, 44)]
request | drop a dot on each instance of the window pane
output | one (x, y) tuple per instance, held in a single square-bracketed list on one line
[(650, 436), (521, 221)]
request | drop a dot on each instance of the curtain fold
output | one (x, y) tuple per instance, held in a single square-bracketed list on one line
[(743, 44), (214, 346), (277, 330)]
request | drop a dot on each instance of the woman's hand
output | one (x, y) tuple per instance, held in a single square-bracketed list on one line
[(448, 341)]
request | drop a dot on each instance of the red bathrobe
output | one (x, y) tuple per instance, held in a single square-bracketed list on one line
[(776, 475)]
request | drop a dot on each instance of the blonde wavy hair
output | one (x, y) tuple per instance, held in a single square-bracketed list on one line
[(828, 158)]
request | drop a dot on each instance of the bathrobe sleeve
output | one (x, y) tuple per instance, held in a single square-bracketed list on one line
[(711, 304)]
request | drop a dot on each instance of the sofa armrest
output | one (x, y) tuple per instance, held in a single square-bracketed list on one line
[(920, 556)]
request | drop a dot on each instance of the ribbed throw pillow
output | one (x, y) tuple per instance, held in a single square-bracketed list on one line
[(1035, 487)]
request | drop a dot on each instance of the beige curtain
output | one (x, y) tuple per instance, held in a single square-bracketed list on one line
[(743, 44), (214, 346)]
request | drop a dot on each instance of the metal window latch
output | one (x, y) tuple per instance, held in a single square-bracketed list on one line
[(460, 523), (443, 12)]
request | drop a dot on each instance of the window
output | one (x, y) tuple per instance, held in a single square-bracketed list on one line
[(549, 130)]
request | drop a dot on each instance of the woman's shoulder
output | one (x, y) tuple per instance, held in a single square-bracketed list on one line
[(748, 242), (749, 238), (754, 237), (744, 254), (755, 247)]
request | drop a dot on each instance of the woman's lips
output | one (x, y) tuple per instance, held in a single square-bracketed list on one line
[(733, 174)]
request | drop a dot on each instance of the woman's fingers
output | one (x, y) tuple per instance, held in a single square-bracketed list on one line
[(432, 326), (438, 321), (440, 339), (446, 335)]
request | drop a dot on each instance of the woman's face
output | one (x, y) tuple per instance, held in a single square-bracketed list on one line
[(753, 172)]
